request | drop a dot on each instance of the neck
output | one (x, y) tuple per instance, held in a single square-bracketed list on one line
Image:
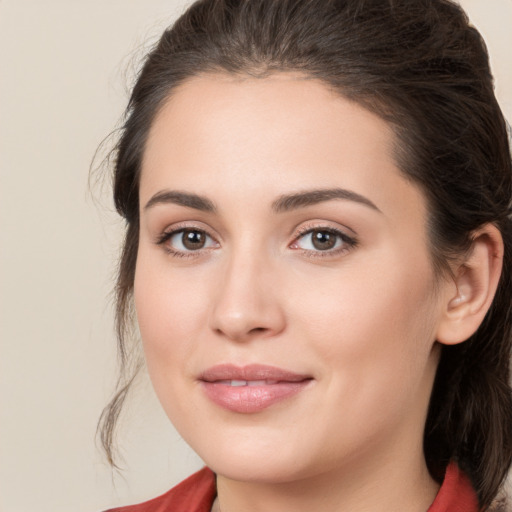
[(385, 484)]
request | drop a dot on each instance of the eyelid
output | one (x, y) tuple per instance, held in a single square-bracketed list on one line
[(183, 226), (319, 225)]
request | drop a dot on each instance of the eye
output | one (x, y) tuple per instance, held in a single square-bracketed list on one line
[(182, 241), (327, 240)]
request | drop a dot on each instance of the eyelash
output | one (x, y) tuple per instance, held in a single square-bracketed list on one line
[(348, 242)]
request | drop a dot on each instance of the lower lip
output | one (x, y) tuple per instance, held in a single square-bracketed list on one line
[(250, 399)]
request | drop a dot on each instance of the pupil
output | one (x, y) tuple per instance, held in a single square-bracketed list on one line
[(193, 239), (323, 240)]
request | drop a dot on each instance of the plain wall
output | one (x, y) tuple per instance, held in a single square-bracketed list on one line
[(65, 66)]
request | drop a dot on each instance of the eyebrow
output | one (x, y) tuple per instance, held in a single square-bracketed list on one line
[(284, 203), (183, 199), (298, 200)]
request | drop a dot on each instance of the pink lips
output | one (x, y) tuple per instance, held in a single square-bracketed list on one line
[(252, 388)]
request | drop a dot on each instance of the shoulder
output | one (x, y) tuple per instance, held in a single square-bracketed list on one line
[(195, 494)]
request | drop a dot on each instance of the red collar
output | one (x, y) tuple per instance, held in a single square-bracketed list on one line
[(456, 493), (195, 494)]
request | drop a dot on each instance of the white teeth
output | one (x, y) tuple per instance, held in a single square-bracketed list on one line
[(256, 383), (238, 383)]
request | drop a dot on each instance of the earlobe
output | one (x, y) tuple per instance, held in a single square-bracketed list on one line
[(470, 295)]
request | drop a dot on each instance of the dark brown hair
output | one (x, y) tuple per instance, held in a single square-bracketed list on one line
[(422, 67)]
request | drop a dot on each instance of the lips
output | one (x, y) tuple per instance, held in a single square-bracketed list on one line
[(252, 388)]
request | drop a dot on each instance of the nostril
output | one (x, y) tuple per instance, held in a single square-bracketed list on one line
[(258, 329)]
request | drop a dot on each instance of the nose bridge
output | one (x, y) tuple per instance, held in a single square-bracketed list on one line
[(246, 302)]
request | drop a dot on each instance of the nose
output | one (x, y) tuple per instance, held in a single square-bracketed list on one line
[(247, 304)]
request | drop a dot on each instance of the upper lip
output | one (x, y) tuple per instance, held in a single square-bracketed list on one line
[(250, 372)]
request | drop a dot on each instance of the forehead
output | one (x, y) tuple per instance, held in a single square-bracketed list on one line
[(283, 104), (270, 135)]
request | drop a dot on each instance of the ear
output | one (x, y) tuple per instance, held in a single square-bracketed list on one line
[(468, 298)]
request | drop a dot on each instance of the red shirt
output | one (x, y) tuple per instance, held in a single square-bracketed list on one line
[(197, 492)]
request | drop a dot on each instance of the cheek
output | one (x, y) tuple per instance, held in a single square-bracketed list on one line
[(171, 311), (377, 319), (365, 297), (372, 333)]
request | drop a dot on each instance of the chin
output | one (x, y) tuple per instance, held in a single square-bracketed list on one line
[(256, 469), (254, 457)]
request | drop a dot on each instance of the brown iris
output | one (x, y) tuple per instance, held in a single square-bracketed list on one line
[(323, 240), (193, 240)]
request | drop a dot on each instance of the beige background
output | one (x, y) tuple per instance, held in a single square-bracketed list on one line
[(64, 70)]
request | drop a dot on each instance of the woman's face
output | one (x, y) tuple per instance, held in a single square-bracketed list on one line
[(283, 287)]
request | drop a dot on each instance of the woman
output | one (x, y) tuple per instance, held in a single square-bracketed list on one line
[(317, 196)]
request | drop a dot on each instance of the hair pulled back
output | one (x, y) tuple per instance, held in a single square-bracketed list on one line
[(422, 67)]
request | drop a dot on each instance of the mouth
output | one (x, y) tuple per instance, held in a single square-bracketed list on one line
[(253, 388)]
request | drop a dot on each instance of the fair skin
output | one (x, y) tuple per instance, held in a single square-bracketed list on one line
[(355, 311)]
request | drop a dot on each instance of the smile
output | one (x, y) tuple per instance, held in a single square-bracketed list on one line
[(252, 388), (238, 383)]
